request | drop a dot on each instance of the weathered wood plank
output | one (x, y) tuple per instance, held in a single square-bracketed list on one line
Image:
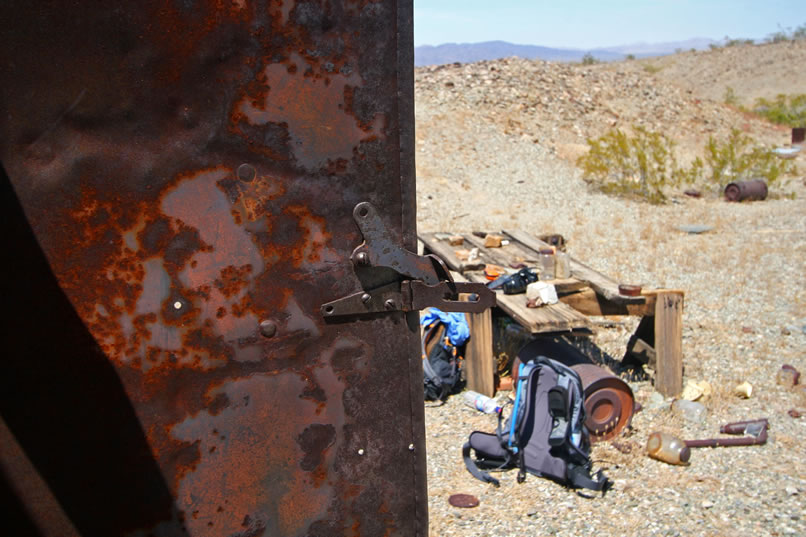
[(589, 302), (605, 286), (551, 318), (668, 343), (479, 357), (447, 253)]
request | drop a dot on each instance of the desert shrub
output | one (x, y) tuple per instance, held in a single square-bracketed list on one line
[(784, 110), (730, 96), (736, 42), (589, 59), (652, 69), (783, 36), (629, 57), (641, 165), (644, 165), (739, 158)]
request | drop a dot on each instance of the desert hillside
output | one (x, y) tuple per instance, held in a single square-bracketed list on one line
[(496, 145)]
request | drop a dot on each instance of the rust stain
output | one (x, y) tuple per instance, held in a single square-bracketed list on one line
[(316, 111)]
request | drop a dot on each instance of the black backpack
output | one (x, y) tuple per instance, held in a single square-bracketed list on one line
[(441, 369), (545, 433)]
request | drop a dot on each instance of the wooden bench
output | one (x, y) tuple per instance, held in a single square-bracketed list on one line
[(587, 292)]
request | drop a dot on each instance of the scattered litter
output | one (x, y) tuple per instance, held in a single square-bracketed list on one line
[(629, 290), (695, 390), (787, 376), (693, 193), (474, 254), (667, 448), (456, 240), (540, 293), (695, 229), (463, 500), (609, 402), (754, 431), (690, 411), (795, 413), (744, 390), (747, 330), (791, 491), (481, 402), (462, 255), (746, 190), (786, 152), (707, 504), (493, 241)]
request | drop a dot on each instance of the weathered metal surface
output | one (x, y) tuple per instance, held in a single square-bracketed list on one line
[(753, 190), (609, 402), (187, 172)]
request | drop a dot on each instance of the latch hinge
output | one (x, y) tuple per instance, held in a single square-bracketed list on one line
[(422, 281)]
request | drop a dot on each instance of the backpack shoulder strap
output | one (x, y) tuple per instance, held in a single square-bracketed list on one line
[(579, 476), (524, 373), (474, 470)]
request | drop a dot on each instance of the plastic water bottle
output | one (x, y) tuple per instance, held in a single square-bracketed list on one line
[(481, 402)]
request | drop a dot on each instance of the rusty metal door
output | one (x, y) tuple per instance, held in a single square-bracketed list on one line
[(179, 180)]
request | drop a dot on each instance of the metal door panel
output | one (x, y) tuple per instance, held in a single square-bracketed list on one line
[(188, 170)]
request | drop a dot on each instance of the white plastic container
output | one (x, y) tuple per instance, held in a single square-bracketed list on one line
[(541, 293), (485, 404)]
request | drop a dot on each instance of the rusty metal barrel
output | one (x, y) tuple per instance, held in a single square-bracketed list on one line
[(609, 402), (755, 189)]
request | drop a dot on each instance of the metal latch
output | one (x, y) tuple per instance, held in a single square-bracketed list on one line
[(417, 282)]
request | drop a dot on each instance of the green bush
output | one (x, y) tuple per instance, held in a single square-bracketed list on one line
[(644, 165), (589, 59), (784, 110), (739, 157), (641, 165)]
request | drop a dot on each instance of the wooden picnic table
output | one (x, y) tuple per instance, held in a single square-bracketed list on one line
[(587, 292)]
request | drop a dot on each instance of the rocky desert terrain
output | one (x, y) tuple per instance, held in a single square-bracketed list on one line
[(497, 143)]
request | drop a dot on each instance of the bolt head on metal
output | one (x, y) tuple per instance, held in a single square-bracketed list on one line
[(246, 172), (411, 447), (361, 451), (365, 298), (362, 259), (268, 328), (390, 304)]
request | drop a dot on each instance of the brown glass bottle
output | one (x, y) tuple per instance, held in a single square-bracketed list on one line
[(667, 448)]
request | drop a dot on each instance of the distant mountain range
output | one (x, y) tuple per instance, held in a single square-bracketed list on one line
[(493, 50)]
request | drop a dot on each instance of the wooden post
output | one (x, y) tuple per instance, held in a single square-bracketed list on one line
[(668, 343), (479, 360)]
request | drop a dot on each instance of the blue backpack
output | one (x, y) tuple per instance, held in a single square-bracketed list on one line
[(544, 434)]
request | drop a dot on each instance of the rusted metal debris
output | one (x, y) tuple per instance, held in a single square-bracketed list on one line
[(609, 402), (754, 190), (754, 431), (179, 179)]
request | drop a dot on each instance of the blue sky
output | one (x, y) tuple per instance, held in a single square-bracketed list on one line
[(589, 23)]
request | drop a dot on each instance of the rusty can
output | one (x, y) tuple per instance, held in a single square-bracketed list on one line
[(752, 190), (609, 402)]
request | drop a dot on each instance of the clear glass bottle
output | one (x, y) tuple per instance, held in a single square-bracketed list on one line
[(787, 376), (547, 264), (667, 448), (691, 411), (562, 266)]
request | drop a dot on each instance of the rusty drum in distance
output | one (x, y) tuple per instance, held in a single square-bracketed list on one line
[(754, 190), (609, 402)]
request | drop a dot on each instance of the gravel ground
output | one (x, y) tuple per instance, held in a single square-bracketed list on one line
[(745, 316)]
